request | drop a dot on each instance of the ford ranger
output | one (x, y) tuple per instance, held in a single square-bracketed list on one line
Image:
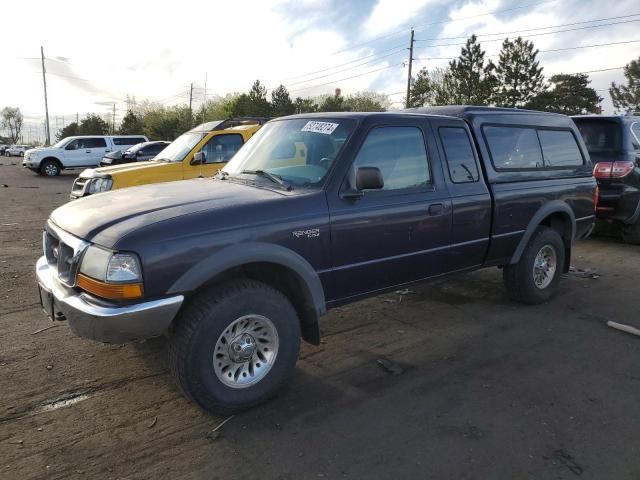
[(316, 211)]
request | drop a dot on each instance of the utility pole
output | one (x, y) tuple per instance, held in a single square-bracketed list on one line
[(204, 101), (113, 125), (409, 76), (77, 118), (46, 103), (190, 103)]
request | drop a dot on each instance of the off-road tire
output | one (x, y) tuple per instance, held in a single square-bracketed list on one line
[(631, 233), (50, 168), (518, 278), (199, 325)]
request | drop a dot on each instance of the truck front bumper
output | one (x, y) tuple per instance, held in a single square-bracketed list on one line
[(99, 320)]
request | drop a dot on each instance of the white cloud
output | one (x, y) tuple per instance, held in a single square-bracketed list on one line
[(388, 15)]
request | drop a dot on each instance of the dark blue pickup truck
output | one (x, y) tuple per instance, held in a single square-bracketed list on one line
[(314, 212)]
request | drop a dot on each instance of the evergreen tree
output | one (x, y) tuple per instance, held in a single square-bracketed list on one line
[(469, 80), (131, 124), (68, 131), (626, 98), (568, 94), (305, 105), (519, 75), (258, 99), (93, 124), (281, 103)]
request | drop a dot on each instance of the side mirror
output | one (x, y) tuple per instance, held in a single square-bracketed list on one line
[(369, 178), (71, 146), (365, 178), (199, 158)]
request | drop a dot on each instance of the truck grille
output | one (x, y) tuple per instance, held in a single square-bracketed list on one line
[(63, 252)]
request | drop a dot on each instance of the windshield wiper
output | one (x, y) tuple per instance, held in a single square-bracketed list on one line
[(274, 178)]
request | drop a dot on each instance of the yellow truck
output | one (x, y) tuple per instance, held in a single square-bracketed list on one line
[(217, 141)]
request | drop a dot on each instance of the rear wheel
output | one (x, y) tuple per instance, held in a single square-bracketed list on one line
[(535, 278), (50, 168), (631, 233), (234, 345)]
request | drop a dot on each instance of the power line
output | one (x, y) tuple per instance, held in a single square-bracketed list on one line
[(543, 51), (349, 78), (420, 26), (344, 70), (535, 34), (533, 29)]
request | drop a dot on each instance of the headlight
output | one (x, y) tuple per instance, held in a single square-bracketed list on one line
[(101, 184), (110, 275)]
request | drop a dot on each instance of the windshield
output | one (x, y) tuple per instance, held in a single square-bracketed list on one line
[(298, 151), (177, 150), (61, 143)]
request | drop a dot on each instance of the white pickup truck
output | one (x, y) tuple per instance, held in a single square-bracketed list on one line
[(76, 152)]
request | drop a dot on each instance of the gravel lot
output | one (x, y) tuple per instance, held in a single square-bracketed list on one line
[(489, 389)]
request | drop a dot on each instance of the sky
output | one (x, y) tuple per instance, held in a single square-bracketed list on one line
[(97, 54)]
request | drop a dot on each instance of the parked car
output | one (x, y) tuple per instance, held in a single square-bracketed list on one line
[(318, 210), (218, 141), (138, 153), (76, 152), (16, 150), (614, 145)]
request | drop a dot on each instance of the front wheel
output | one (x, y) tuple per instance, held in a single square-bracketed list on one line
[(234, 345), (50, 168), (535, 278)]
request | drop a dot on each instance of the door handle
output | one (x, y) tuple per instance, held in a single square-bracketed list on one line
[(436, 209), (87, 151)]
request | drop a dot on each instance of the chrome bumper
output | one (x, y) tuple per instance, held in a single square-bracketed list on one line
[(98, 320)]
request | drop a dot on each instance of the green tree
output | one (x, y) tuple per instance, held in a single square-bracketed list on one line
[(305, 105), (518, 73), (68, 131), (333, 103), (167, 123), (93, 124), (626, 98), (281, 103), (470, 81), (568, 94), (367, 102), (217, 108), (432, 87), (131, 124), (258, 99), (11, 119)]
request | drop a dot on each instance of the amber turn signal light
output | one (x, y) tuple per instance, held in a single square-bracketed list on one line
[(111, 291)]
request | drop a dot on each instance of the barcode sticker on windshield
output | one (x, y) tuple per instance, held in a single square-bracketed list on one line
[(325, 128)]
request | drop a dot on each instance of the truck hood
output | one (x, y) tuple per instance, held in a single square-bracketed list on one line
[(127, 167), (105, 218)]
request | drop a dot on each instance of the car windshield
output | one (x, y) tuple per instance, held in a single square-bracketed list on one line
[(177, 150), (61, 143), (298, 151)]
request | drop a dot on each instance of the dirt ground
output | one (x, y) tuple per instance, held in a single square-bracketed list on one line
[(486, 389)]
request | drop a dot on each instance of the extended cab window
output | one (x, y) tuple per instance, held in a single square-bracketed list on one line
[(560, 149), (127, 140), (513, 148), (222, 148), (399, 153), (459, 153), (93, 143)]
